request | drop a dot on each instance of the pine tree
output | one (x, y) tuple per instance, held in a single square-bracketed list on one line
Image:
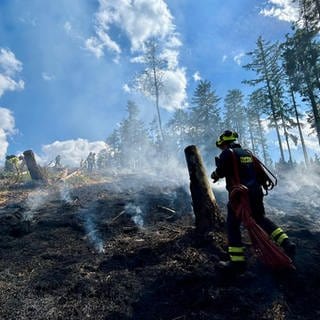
[(104, 159), (258, 102), (178, 129), (205, 121), (298, 122), (114, 142), (301, 55), (150, 81), (309, 11), (134, 139), (154, 136), (265, 62), (284, 114), (235, 116)]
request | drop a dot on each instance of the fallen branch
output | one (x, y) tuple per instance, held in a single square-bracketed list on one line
[(118, 216), (166, 209), (71, 175), (180, 318)]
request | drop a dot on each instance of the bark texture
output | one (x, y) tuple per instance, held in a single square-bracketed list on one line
[(34, 170), (204, 204)]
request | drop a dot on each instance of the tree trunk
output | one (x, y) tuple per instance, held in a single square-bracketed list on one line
[(306, 159), (271, 98), (251, 139), (315, 112), (33, 168), (204, 204), (263, 145), (286, 136)]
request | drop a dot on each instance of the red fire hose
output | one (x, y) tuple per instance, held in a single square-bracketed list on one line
[(266, 250)]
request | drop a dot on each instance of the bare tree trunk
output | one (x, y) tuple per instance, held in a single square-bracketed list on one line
[(271, 98), (251, 139), (306, 159), (33, 168), (204, 204)]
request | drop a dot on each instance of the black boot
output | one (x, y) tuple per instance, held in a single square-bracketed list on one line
[(231, 267), (289, 248)]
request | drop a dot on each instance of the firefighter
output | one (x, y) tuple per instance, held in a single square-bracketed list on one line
[(12, 164), (249, 176), (91, 161), (57, 162), (22, 163)]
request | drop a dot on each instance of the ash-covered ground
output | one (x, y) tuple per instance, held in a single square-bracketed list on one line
[(124, 247)]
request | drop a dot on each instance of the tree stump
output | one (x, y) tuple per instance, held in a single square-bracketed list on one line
[(34, 169), (204, 204)]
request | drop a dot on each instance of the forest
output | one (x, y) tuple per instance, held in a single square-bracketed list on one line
[(284, 79)]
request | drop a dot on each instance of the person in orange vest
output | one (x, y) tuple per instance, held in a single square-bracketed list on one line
[(254, 180)]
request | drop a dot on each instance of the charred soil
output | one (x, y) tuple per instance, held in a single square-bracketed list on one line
[(113, 251)]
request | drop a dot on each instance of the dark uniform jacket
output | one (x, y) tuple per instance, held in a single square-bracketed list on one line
[(247, 172)]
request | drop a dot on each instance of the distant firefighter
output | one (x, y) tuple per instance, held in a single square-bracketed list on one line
[(57, 163), (22, 163), (12, 164), (91, 161)]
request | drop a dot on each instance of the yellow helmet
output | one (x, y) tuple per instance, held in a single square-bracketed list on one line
[(227, 136)]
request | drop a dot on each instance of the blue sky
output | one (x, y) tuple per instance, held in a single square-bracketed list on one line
[(66, 66)]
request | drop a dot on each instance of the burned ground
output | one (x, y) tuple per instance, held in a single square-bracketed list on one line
[(114, 251)]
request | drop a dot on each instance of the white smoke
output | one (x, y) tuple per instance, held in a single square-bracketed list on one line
[(64, 190), (35, 200), (136, 214), (88, 216), (7, 129), (93, 234), (303, 186), (296, 198)]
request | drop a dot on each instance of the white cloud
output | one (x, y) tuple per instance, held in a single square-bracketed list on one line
[(173, 94), (28, 19), (9, 67), (140, 20), (71, 151), (284, 10), (238, 58), (174, 91), (126, 88), (68, 27), (74, 34), (311, 139), (47, 77), (8, 84), (8, 62), (7, 128), (224, 58), (174, 41), (137, 59), (196, 76), (95, 46), (171, 56)]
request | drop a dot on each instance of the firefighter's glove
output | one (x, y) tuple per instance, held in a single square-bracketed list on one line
[(214, 177)]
